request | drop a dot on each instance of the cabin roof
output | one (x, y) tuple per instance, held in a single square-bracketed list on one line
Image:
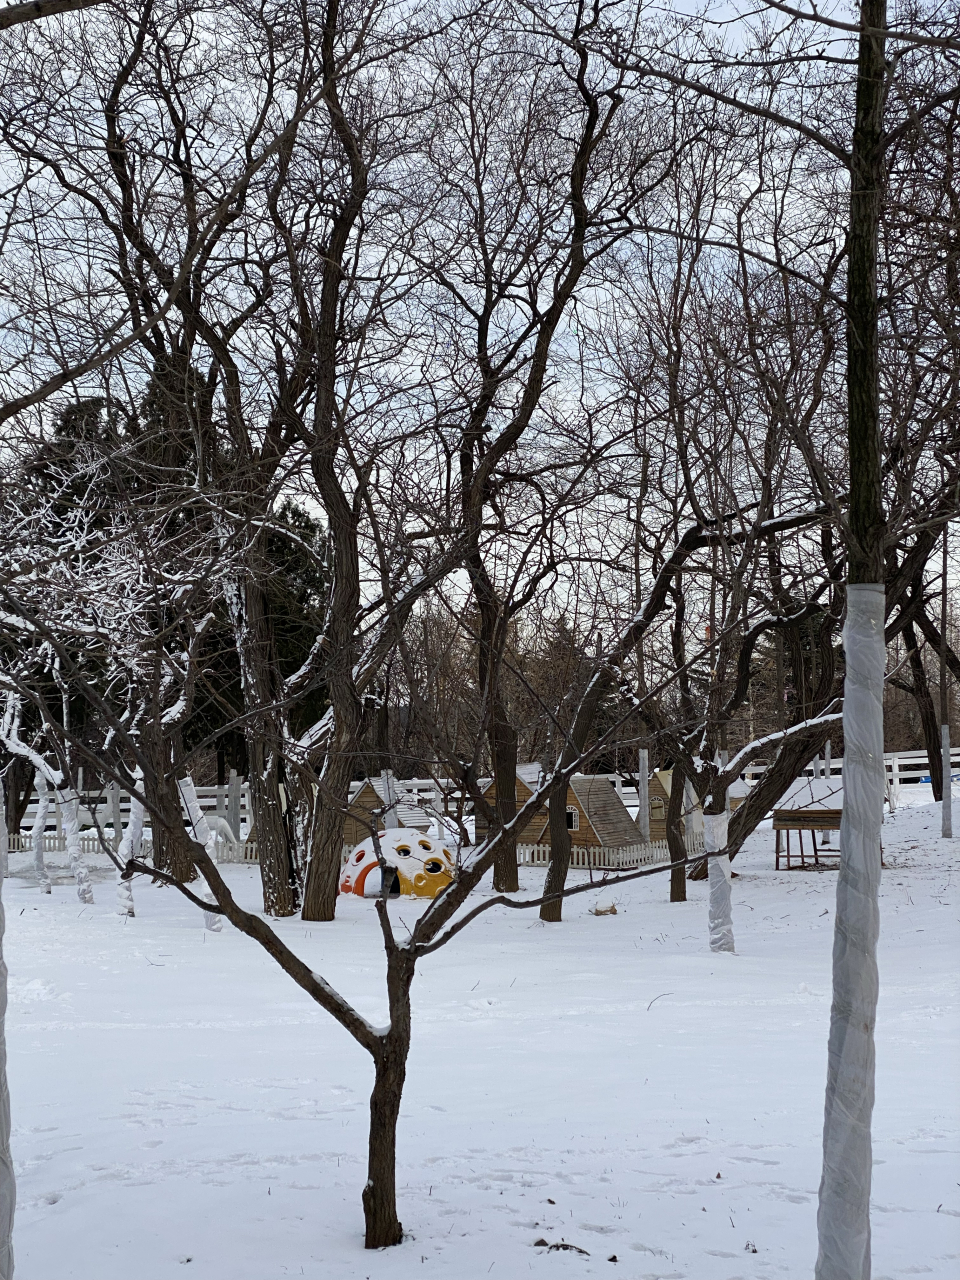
[(605, 810), (408, 811)]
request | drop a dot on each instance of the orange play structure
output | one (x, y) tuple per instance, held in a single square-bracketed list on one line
[(422, 866)]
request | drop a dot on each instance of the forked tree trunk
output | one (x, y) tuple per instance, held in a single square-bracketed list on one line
[(382, 1224)]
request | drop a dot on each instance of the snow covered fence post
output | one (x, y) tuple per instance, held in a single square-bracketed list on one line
[(38, 830), (203, 835), (643, 795), (720, 874), (843, 1218), (8, 1186)]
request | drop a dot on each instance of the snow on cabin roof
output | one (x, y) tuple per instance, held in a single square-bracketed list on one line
[(607, 813), (528, 774), (813, 793), (409, 813)]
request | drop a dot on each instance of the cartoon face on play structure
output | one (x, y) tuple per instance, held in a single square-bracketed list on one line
[(422, 864)]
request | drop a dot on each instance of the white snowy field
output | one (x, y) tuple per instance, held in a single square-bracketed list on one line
[(181, 1109)]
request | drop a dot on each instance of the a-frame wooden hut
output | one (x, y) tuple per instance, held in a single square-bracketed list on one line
[(596, 816), (368, 799)]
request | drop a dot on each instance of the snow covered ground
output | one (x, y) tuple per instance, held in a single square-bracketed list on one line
[(181, 1109)]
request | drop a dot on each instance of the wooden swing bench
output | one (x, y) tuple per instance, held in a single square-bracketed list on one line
[(801, 820)]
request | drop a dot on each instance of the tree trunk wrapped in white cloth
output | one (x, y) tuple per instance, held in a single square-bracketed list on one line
[(843, 1219), (38, 829), (8, 1186), (203, 835), (643, 795), (70, 816), (720, 876), (130, 847)]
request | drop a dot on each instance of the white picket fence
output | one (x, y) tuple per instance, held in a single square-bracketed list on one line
[(52, 843), (247, 851), (901, 766), (598, 858), (232, 803)]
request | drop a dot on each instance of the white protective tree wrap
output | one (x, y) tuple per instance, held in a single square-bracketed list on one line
[(843, 1217), (719, 874), (946, 804), (643, 795), (130, 847), (70, 814), (203, 835), (8, 1186), (38, 829)]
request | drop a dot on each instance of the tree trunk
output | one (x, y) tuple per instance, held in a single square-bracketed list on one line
[(675, 841), (383, 1226), (261, 683), (70, 816), (718, 873), (928, 712), (323, 869), (552, 912), (342, 654), (792, 758), (946, 768), (171, 849), (643, 795), (203, 836), (130, 847), (503, 744), (843, 1215), (8, 1186), (38, 830), (18, 781)]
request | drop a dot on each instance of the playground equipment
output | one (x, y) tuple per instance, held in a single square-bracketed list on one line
[(419, 864)]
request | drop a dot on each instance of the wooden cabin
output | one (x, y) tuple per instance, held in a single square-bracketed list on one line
[(596, 816), (369, 797), (659, 792)]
